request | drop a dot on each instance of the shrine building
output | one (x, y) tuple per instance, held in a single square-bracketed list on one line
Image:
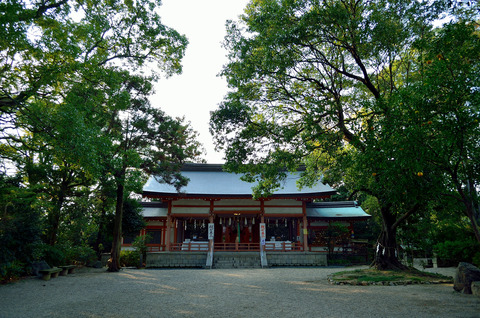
[(215, 215)]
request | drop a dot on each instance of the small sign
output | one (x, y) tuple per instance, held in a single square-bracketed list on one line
[(305, 231), (211, 231), (263, 231), (262, 242)]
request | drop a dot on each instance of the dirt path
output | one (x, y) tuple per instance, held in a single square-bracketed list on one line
[(275, 292)]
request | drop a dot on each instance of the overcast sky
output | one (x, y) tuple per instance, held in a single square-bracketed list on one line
[(198, 90)]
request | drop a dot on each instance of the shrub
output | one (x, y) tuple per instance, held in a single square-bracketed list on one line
[(140, 245), (53, 255), (457, 251), (78, 254), (129, 258), (476, 259), (11, 271), (20, 227)]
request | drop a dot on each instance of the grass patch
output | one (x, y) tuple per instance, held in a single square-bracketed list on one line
[(371, 275)]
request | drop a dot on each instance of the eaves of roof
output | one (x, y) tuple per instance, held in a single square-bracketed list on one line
[(210, 181)]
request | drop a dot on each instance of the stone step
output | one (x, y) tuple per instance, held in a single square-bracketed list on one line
[(237, 262)]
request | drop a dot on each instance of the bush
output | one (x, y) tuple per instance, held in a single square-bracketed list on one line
[(457, 251), (53, 255), (129, 258), (64, 254), (476, 259), (78, 254), (20, 227), (11, 271)]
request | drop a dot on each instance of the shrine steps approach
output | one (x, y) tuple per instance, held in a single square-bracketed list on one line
[(236, 260), (233, 259)]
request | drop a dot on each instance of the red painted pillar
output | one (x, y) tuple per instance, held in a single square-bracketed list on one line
[(169, 226), (305, 228)]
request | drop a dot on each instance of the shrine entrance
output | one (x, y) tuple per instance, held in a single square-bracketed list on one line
[(236, 233)]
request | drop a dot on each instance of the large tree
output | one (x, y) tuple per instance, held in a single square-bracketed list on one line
[(326, 84), (450, 97), (49, 44), (143, 140), (74, 80), (63, 64)]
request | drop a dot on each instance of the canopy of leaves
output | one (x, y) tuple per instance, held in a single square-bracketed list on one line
[(75, 120), (366, 94)]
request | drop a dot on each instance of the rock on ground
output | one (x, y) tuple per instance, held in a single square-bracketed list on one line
[(465, 274)]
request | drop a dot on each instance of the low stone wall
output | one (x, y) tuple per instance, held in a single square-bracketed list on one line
[(198, 259), (296, 259), (176, 259)]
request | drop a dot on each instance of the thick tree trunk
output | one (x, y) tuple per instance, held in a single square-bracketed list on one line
[(54, 215), (386, 256), (471, 207), (470, 211), (53, 225), (114, 262), (468, 197)]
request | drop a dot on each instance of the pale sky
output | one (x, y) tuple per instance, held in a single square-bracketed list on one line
[(198, 90)]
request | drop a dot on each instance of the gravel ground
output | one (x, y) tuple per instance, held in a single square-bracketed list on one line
[(274, 292)]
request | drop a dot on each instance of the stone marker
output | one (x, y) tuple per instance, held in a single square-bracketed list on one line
[(465, 274)]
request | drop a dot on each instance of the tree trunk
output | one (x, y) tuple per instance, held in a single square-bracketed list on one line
[(386, 249), (54, 215), (470, 212), (114, 262), (468, 198), (101, 224), (470, 203)]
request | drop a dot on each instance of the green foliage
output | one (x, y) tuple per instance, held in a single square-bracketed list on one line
[(368, 95), (75, 78), (10, 271), (140, 243), (20, 227), (53, 255), (346, 260), (78, 226), (78, 254), (65, 253), (145, 140), (129, 258), (461, 250), (476, 259), (402, 277), (132, 222)]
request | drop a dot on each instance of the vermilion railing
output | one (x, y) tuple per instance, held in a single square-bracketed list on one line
[(237, 247), (189, 247), (283, 246), (234, 247), (156, 248)]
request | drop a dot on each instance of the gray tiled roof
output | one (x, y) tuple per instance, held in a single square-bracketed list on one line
[(208, 180), (331, 210)]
